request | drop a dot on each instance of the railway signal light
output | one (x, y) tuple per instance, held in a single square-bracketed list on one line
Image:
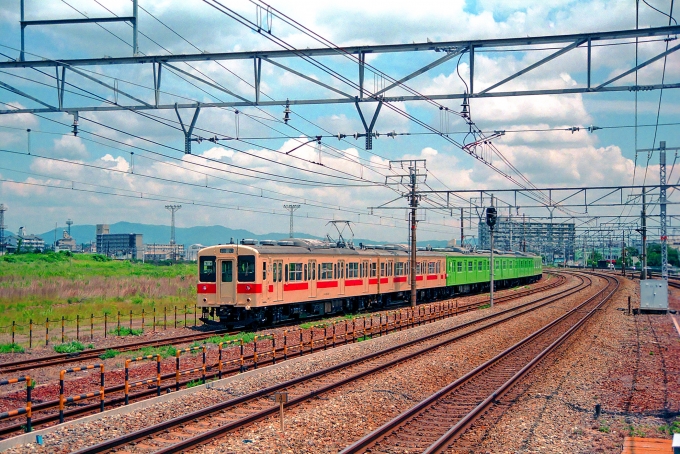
[(491, 217)]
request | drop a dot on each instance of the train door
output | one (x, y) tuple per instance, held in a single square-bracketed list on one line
[(227, 286), (364, 276), (277, 277), (341, 277), (390, 275), (312, 278)]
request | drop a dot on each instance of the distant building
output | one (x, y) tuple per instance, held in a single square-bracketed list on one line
[(66, 243), (155, 252), (28, 242), (192, 252), (119, 245), (554, 241)]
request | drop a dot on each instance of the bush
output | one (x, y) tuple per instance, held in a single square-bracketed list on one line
[(109, 354), (125, 331), (194, 383), (11, 348), (69, 347)]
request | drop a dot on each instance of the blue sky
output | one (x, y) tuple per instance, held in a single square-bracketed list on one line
[(547, 158)]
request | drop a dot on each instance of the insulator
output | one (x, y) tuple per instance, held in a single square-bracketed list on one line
[(286, 112)]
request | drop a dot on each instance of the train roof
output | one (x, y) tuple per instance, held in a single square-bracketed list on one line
[(299, 246)]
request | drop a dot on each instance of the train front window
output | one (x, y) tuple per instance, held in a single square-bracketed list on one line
[(246, 268), (206, 269)]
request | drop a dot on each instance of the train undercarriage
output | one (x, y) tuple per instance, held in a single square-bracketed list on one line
[(233, 317)]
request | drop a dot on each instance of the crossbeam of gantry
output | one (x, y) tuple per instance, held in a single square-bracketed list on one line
[(353, 92)]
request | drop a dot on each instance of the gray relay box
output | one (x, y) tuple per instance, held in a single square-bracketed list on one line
[(654, 295)]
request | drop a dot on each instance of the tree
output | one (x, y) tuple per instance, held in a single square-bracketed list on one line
[(654, 255)]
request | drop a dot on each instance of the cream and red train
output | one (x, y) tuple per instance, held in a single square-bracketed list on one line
[(255, 283)]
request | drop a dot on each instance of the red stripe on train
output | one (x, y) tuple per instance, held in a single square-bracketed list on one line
[(419, 278), (297, 286), (248, 288), (400, 279), (373, 281), (326, 284), (206, 288), (431, 277), (354, 282)]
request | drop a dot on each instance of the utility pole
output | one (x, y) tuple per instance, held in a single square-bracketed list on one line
[(461, 227), (662, 210), (413, 202), (623, 252), (173, 209), (292, 209), (491, 222), (643, 232), (3, 208)]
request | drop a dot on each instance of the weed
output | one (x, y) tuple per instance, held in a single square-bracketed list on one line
[(125, 331), (109, 354), (245, 336), (672, 428), (194, 383), (651, 353), (635, 432), (485, 306), (11, 348), (90, 346), (165, 352), (69, 347), (604, 428), (362, 338)]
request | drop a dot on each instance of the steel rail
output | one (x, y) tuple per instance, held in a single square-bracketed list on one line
[(407, 417), (219, 431), (86, 409)]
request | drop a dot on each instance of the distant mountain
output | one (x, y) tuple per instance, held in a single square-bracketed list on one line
[(205, 235)]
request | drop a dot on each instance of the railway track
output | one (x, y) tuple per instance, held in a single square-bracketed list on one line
[(434, 424), (68, 358), (199, 427), (115, 397)]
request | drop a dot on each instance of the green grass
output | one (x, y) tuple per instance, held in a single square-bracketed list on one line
[(125, 331), (485, 306), (69, 347), (672, 428), (109, 354), (11, 348), (247, 337), (194, 383), (165, 352), (635, 432), (362, 338), (38, 286), (604, 428)]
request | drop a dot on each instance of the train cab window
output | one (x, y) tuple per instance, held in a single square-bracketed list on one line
[(460, 266), (374, 269), (246, 268), (264, 271), (227, 271), (206, 269), (295, 272)]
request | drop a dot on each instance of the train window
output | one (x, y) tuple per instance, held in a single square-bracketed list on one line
[(431, 268), (312, 269), (361, 269), (341, 269), (439, 267), (286, 274), (246, 268), (353, 269), (374, 269), (264, 271), (390, 266), (295, 272), (479, 266), (460, 266), (418, 268), (510, 266), (399, 269), (496, 264), (326, 271), (469, 265), (227, 271), (382, 269), (280, 277), (306, 275), (275, 276), (206, 269)]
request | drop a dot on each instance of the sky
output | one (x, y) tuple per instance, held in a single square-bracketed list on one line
[(244, 183)]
